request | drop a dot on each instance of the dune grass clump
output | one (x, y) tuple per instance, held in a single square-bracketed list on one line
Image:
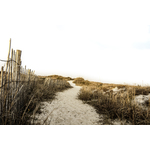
[(34, 94), (118, 105), (81, 81), (107, 86), (57, 77), (142, 90)]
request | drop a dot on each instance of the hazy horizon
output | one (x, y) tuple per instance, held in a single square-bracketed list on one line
[(104, 41)]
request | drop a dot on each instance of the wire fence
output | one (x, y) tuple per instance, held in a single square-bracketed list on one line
[(14, 81), (18, 86)]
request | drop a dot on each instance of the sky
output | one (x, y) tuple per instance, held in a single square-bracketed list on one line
[(104, 41)]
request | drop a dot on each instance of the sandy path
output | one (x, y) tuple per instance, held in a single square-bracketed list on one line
[(66, 109)]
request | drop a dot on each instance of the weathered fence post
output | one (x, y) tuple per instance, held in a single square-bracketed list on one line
[(6, 92), (11, 65), (25, 74), (1, 103), (18, 53), (29, 72), (7, 62), (11, 84), (14, 69), (18, 64)]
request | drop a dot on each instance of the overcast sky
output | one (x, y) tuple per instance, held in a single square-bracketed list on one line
[(105, 41)]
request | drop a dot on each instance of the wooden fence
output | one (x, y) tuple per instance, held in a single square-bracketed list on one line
[(14, 80)]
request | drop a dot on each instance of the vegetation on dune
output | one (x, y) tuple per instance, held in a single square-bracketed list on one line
[(80, 81), (57, 77), (142, 90), (106, 86), (33, 95), (116, 105)]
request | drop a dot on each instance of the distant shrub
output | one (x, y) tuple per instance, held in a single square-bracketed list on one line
[(60, 77), (79, 81), (86, 82), (142, 90)]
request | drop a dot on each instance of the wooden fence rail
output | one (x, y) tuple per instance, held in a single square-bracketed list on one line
[(13, 80)]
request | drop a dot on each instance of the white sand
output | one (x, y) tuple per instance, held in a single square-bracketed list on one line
[(66, 109), (142, 98)]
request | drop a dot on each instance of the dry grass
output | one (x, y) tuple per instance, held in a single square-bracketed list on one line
[(80, 81), (105, 86), (33, 95), (57, 77), (117, 105)]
